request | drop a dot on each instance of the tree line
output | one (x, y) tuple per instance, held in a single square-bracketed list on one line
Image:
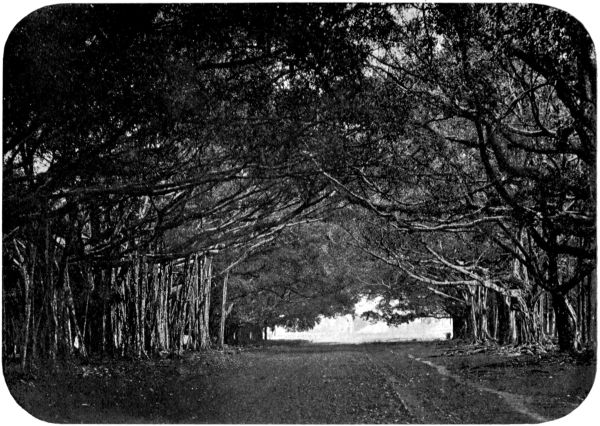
[(502, 163), (160, 157)]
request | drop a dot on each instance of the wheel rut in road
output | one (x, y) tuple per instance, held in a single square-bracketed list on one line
[(431, 394), (408, 388), (311, 384), (515, 401), (415, 410)]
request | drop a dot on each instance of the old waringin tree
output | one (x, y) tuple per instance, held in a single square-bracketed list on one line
[(143, 142), (156, 155), (488, 187)]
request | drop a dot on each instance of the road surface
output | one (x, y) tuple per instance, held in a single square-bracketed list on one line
[(310, 383), (350, 384)]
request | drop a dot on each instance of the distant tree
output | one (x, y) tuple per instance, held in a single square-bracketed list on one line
[(300, 277)]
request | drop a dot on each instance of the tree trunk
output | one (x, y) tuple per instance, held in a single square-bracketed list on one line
[(592, 302), (143, 288), (27, 284), (205, 316), (72, 313), (28, 278), (459, 327), (566, 325), (50, 288), (194, 331), (223, 312), (472, 323), (168, 305), (505, 332), (135, 286), (482, 314)]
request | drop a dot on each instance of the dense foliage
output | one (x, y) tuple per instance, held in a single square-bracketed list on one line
[(286, 159)]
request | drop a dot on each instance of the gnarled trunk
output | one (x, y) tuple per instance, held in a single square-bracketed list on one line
[(566, 325)]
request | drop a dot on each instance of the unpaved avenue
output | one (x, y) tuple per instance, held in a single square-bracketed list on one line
[(346, 384), (305, 383)]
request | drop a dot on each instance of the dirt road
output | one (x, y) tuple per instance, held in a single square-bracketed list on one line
[(304, 383)]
